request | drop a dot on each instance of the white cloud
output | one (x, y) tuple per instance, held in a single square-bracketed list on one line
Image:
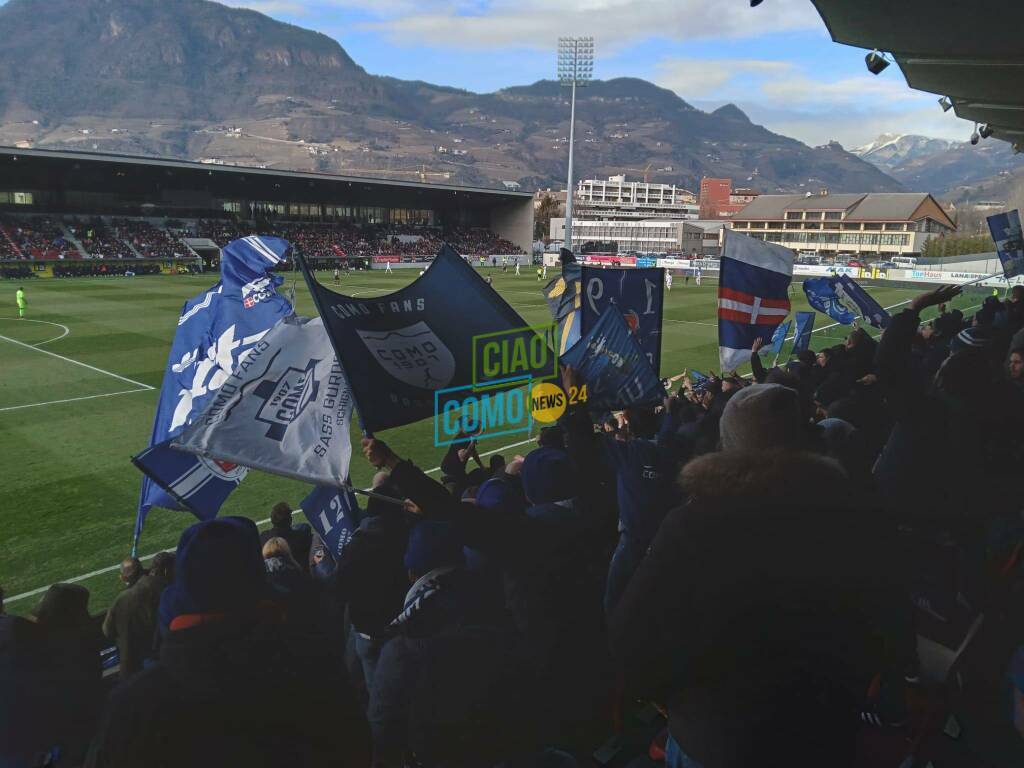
[(801, 89), (616, 23), (270, 7), (708, 77), (788, 99)]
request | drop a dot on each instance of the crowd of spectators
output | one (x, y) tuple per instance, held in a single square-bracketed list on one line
[(100, 239), (136, 238), (752, 556), (148, 241), (35, 238)]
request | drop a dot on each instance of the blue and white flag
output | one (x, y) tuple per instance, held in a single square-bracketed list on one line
[(638, 294), (753, 295), (334, 515), (851, 293), (779, 337), (285, 409), (563, 297), (398, 350), (215, 329), (804, 328), (821, 295), (1006, 232), (613, 366)]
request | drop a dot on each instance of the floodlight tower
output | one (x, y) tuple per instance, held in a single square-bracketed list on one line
[(575, 69)]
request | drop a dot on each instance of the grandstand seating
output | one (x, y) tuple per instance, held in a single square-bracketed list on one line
[(123, 238), (37, 238)]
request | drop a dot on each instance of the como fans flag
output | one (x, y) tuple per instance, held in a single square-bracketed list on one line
[(285, 409), (215, 330), (399, 349), (753, 295)]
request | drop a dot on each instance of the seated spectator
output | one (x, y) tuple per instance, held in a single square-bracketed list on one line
[(747, 617), (299, 537), (132, 619), (228, 669)]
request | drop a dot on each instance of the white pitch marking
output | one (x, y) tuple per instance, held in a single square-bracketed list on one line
[(77, 362), (46, 322), (71, 400)]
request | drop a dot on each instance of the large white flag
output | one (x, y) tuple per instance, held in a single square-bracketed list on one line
[(285, 409)]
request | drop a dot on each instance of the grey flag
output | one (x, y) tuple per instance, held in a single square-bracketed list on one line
[(285, 409)]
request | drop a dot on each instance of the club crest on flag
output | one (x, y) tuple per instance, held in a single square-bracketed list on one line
[(225, 470), (258, 290), (286, 398), (414, 355)]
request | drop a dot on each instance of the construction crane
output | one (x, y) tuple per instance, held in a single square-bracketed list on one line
[(645, 171), (422, 172)]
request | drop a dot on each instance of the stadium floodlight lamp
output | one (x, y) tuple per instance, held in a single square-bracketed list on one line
[(985, 131), (575, 69), (876, 62), (946, 103)]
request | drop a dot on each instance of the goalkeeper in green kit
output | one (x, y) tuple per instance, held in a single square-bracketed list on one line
[(19, 296)]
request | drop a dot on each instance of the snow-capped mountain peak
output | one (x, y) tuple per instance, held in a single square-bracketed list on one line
[(892, 149)]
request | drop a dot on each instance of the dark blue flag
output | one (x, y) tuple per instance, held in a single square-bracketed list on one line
[(398, 350), (804, 327), (613, 366), (334, 514), (869, 309), (563, 297), (215, 329), (779, 337), (638, 293), (821, 294), (1006, 233)]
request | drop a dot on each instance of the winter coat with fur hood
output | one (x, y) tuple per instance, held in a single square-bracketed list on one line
[(752, 616)]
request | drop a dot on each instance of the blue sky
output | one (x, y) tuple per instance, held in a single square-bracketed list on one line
[(775, 61)]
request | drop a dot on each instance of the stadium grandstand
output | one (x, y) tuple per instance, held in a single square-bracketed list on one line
[(81, 207)]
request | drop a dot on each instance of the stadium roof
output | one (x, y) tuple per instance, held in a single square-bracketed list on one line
[(871, 206), (970, 53), (136, 175)]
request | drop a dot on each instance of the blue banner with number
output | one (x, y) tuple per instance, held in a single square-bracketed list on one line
[(334, 514), (639, 296)]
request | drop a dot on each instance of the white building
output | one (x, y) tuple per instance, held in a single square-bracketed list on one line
[(702, 238), (877, 224), (617, 198)]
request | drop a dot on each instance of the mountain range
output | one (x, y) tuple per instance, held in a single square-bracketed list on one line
[(956, 170), (198, 80)]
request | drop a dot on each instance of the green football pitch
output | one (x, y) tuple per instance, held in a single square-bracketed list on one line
[(79, 383)]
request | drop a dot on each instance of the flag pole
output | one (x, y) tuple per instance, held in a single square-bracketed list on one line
[(313, 285), (374, 495)]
